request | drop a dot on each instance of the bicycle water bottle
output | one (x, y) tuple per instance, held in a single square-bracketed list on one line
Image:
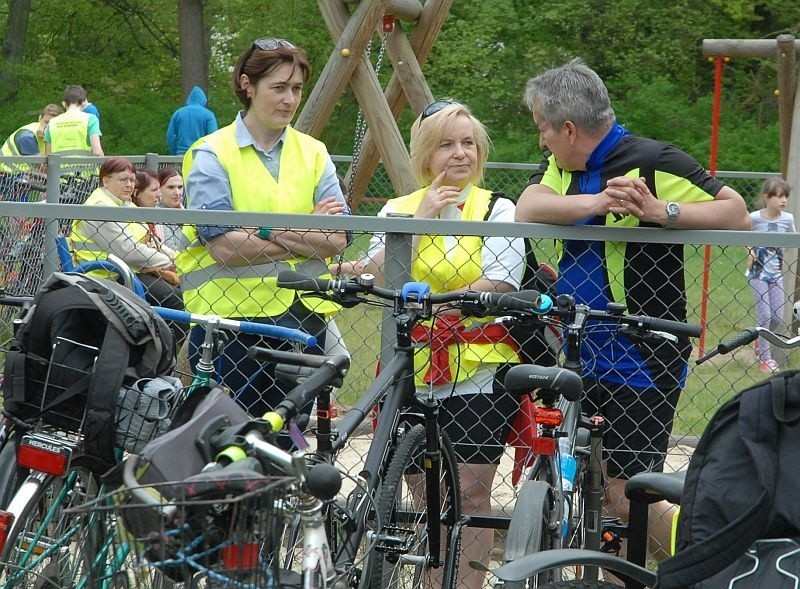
[(568, 467)]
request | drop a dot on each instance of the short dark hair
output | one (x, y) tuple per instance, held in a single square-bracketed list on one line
[(257, 63), (74, 95), (114, 165)]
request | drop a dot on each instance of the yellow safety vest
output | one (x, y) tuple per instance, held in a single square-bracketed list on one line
[(252, 291), (449, 271), (69, 133), (86, 250), (9, 149)]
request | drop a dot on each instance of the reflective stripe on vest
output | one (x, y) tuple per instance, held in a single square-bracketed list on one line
[(251, 291)]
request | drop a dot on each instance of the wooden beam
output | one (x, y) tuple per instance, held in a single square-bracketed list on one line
[(430, 23), (369, 94), (406, 10), (407, 70), (742, 47), (337, 73), (787, 82)]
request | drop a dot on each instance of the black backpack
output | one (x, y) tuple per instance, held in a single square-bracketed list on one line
[(538, 343), (81, 340), (741, 491)]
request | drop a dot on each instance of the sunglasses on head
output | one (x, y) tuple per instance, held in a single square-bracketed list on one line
[(270, 44), (435, 107)]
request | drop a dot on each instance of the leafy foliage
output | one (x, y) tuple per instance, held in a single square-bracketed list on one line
[(649, 53)]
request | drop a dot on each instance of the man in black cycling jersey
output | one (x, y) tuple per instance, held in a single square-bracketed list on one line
[(597, 173)]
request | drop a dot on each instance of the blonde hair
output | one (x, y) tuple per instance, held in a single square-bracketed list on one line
[(426, 136)]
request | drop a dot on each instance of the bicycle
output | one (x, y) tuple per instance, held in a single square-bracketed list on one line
[(415, 524), (642, 490), (221, 525), (39, 538), (547, 515)]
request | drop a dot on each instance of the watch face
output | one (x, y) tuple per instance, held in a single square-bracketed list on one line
[(673, 209)]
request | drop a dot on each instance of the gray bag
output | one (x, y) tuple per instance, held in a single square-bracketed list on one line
[(174, 456), (143, 409)]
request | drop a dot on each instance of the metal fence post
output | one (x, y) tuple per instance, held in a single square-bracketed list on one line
[(151, 161), (396, 272), (50, 261)]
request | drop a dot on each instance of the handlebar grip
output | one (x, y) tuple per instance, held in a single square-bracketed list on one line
[(299, 281), (249, 327), (675, 327), (747, 336), (334, 367), (261, 354), (524, 300)]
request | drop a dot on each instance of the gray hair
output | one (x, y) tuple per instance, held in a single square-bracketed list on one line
[(573, 92)]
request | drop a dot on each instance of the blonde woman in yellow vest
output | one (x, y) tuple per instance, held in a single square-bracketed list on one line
[(449, 147), (259, 163), (94, 240)]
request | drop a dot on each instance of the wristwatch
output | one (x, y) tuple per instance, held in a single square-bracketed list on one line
[(673, 211)]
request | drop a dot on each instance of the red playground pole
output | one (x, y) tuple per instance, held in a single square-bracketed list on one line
[(712, 169)]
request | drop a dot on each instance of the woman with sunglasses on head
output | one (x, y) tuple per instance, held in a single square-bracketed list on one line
[(449, 149), (259, 163)]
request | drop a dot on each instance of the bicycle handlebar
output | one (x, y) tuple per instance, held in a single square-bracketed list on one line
[(470, 302), (249, 327), (750, 335)]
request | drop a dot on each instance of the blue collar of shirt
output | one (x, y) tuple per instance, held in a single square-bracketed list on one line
[(244, 138), (590, 179)]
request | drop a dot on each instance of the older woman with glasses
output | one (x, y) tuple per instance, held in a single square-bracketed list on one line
[(449, 148), (132, 242), (259, 163)]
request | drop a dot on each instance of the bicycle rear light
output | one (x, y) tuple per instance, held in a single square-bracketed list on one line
[(6, 521), (43, 454), (549, 417)]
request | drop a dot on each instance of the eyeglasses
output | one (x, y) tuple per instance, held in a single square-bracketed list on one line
[(270, 44), (124, 179), (435, 107)]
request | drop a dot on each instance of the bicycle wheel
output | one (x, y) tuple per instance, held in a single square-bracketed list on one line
[(402, 557), (10, 478), (51, 547), (529, 530)]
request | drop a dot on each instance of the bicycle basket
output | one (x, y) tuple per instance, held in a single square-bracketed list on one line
[(217, 531), (142, 408)]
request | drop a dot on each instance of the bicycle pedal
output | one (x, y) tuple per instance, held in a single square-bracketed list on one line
[(394, 540)]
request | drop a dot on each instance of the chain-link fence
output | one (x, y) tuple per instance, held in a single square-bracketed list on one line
[(717, 292)]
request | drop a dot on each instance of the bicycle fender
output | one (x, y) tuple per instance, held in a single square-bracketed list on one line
[(530, 565)]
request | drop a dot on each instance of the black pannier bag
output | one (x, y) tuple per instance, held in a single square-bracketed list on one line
[(82, 342)]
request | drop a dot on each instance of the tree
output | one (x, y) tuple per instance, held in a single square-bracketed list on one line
[(13, 47), (195, 45)]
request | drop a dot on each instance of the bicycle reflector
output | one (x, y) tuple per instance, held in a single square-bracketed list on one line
[(44, 454), (6, 522)]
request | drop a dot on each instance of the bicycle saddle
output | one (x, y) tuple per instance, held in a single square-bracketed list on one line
[(651, 487)]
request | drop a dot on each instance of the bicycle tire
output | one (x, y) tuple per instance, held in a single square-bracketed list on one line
[(10, 478), (528, 529), (389, 569), (50, 545)]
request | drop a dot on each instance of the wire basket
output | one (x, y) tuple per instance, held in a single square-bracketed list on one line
[(216, 530), (57, 390)]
